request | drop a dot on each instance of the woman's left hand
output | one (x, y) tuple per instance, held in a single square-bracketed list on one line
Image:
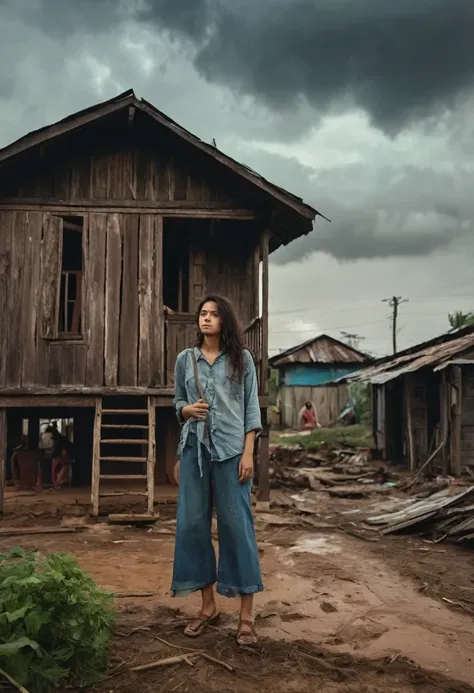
[(245, 467)]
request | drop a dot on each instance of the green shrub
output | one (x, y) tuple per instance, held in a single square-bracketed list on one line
[(55, 622)]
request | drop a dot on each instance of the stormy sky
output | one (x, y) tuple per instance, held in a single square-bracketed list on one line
[(363, 107)]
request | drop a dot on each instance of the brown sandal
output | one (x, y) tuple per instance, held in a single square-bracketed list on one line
[(199, 624), (246, 638)]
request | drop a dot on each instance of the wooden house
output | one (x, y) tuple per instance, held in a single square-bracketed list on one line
[(306, 373), (114, 223), (423, 404)]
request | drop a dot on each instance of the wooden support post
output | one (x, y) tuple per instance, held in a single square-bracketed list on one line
[(411, 447), (263, 498), (96, 458), (3, 456), (265, 292), (150, 470), (444, 419)]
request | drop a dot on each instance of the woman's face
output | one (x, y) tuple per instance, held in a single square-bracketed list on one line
[(209, 319)]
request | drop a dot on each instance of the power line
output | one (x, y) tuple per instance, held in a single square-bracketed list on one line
[(371, 300), (394, 304), (317, 330), (352, 338)]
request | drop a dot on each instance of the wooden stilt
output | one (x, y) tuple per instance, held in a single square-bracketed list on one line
[(96, 459), (151, 463), (263, 498)]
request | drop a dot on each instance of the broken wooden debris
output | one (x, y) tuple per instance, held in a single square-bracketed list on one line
[(134, 518), (13, 682), (329, 468), (168, 661), (187, 658), (19, 531), (443, 515)]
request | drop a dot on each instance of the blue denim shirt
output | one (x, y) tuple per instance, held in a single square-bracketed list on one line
[(234, 408)]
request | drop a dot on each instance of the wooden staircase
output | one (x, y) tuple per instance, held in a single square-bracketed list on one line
[(125, 437)]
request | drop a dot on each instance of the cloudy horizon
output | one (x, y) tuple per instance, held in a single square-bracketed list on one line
[(361, 108)]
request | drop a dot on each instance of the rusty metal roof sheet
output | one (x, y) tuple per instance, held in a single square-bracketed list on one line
[(322, 349), (429, 354)]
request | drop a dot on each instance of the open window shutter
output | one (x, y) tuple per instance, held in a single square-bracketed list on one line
[(51, 251)]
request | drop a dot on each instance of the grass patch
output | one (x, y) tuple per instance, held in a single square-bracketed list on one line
[(354, 436)]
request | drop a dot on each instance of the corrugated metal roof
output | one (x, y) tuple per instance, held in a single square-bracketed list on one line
[(435, 355), (322, 349)]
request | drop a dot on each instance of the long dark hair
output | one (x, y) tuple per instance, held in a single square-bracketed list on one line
[(231, 333)]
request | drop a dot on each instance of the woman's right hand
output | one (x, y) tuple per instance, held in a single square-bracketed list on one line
[(198, 410)]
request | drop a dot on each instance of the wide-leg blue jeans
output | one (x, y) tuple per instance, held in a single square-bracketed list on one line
[(194, 559)]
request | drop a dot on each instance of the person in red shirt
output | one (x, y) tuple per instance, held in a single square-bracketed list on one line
[(307, 418)]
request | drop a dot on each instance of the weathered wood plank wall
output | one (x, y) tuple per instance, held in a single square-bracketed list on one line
[(329, 402), (416, 399), (110, 351), (120, 167), (123, 341), (230, 268)]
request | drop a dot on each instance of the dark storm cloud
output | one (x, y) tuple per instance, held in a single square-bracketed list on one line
[(329, 53), (400, 60), (408, 212), (368, 234)]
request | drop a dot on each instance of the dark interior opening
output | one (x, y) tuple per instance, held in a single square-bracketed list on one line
[(176, 261), (72, 267), (394, 417), (76, 424), (433, 409)]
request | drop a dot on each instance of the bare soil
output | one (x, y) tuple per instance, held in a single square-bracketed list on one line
[(340, 613)]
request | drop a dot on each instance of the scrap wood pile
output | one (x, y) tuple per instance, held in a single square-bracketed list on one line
[(447, 514), (341, 471)]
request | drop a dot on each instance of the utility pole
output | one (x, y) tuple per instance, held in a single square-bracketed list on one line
[(394, 304)]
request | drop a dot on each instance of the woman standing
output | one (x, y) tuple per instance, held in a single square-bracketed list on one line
[(216, 400)]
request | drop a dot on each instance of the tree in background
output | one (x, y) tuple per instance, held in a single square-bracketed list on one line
[(273, 386), (459, 319), (360, 394)]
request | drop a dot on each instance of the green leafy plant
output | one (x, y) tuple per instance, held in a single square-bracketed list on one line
[(55, 622), (360, 394)]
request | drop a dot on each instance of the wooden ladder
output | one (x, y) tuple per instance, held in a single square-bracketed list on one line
[(110, 429)]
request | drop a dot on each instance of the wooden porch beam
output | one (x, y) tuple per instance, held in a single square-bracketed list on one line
[(48, 401), (184, 208), (76, 396)]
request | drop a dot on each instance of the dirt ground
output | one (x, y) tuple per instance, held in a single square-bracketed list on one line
[(340, 613)]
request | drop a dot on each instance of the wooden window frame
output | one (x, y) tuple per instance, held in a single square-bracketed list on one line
[(51, 269)]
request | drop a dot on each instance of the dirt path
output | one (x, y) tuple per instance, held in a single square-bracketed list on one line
[(330, 590)]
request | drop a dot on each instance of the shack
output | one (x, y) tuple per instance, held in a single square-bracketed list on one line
[(114, 223), (306, 373), (423, 404)]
